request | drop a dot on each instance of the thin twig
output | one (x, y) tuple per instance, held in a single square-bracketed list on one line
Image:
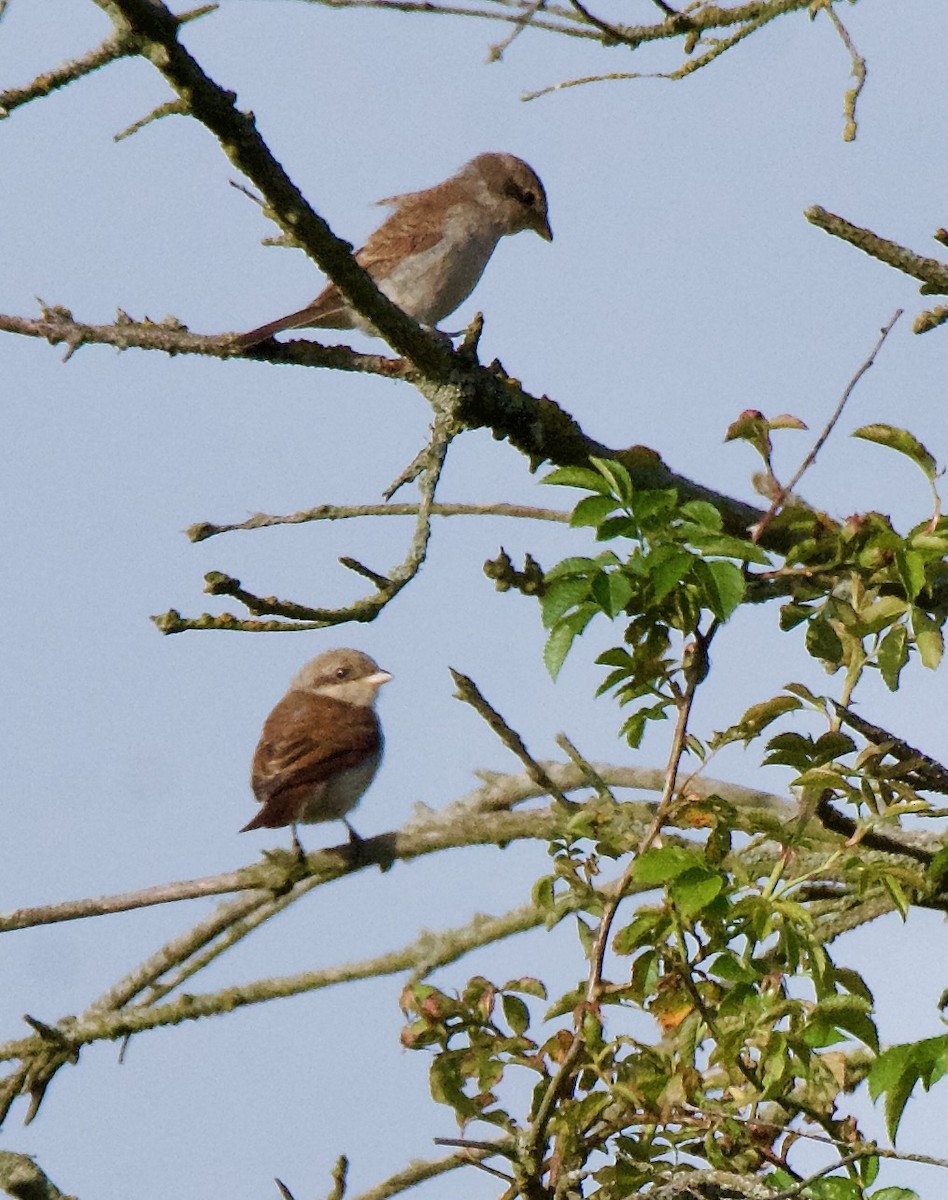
[(469, 692), (338, 512), (787, 488), (858, 72), (496, 52)]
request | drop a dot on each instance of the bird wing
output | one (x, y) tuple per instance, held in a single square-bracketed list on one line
[(307, 740), (408, 230)]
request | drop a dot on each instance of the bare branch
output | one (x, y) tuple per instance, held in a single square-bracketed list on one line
[(22, 1178), (932, 273), (337, 512)]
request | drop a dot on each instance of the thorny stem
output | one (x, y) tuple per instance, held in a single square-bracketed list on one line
[(564, 1077)]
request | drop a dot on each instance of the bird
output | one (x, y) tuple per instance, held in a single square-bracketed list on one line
[(321, 745), (428, 255)]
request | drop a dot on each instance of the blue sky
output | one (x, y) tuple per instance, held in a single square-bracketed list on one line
[(683, 285)]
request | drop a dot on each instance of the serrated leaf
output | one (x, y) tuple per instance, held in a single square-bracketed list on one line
[(612, 592), (556, 649), (702, 513), (577, 565), (791, 615), (695, 890), (822, 641), (832, 745), (527, 985), (869, 1171), (615, 527), (787, 421), (616, 657), (618, 478), (516, 1014), (542, 893), (592, 510), (722, 545), (900, 439), (759, 716), (722, 586), (835, 1187), (666, 569), (560, 596), (928, 638), (647, 927), (578, 477), (803, 692), (659, 866), (897, 1070), (911, 567), (892, 656)]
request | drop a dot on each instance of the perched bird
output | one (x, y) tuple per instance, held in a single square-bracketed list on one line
[(321, 745), (429, 254)]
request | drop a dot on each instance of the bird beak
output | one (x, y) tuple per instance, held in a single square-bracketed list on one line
[(544, 230), (378, 678)]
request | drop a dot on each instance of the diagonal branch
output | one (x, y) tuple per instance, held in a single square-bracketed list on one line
[(156, 29)]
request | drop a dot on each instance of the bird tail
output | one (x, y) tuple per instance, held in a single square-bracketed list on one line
[(294, 320)]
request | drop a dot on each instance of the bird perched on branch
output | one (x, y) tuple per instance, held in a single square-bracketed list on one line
[(321, 746), (429, 254)]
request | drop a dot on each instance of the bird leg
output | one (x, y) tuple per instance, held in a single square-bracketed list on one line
[(298, 845)]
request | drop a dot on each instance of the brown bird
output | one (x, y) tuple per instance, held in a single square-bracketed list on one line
[(321, 745), (429, 254)]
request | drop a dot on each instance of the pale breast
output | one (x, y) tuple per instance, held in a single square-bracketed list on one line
[(332, 799), (432, 284)]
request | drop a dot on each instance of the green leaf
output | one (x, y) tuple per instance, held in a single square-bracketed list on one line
[(928, 638), (562, 595), (667, 568), (892, 656), (722, 585), (792, 614), (659, 866), (894, 1193), (695, 889), (616, 657), (612, 592), (634, 727), (618, 478), (578, 477), (527, 986), (592, 510), (911, 566), (571, 566), (516, 1014), (655, 508), (900, 439), (802, 692), (830, 746), (835, 1187), (822, 641), (759, 716), (702, 513), (897, 1070), (721, 545), (616, 527), (648, 927), (868, 1170), (556, 649), (841, 1011)]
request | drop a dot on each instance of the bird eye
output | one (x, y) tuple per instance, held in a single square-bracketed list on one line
[(525, 196), (342, 672)]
